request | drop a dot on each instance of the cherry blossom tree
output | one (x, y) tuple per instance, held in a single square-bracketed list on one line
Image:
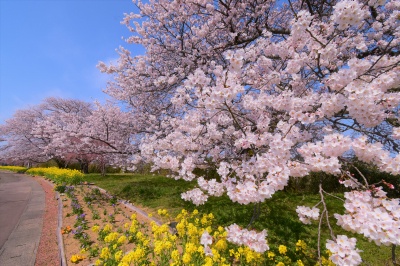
[(267, 90), (87, 133), (69, 130), (110, 133), (62, 121), (20, 145)]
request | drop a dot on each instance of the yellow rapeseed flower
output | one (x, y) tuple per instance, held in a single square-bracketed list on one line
[(271, 254), (282, 249), (76, 258), (118, 255), (186, 258), (208, 262), (249, 255), (204, 220), (163, 212), (95, 228), (138, 254), (326, 262), (200, 250), (215, 255), (158, 246), (190, 248), (167, 244), (239, 253), (299, 263), (111, 237), (172, 237), (146, 242), (121, 240), (180, 227), (140, 236), (301, 245), (221, 244), (192, 230), (175, 255), (126, 259), (107, 228), (133, 228), (105, 253)]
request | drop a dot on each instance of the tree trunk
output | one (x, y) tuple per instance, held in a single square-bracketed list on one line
[(60, 162), (84, 167), (103, 168)]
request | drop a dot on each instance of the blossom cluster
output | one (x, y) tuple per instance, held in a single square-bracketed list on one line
[(344, 251), (255, 241), (372, 214), (195, 195), (347, 13), (306, 214)]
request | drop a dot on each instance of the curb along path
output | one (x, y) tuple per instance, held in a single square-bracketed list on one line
[(130, 206)]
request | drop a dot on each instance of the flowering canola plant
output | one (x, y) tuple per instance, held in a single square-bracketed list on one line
[(195, 240), (59, 176), (14, 168)]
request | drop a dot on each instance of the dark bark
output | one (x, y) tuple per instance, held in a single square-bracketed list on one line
[(61, 163), (84, 166), (103, 169)]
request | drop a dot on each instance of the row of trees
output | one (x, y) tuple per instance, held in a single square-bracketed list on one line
[(260, 90), (68, 131)]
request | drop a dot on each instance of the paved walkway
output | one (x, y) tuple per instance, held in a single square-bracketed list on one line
[(22, 204)]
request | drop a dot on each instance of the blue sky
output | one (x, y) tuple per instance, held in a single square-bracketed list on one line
[(51, 48)]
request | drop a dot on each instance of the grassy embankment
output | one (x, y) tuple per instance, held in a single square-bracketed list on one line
[(277, 215)]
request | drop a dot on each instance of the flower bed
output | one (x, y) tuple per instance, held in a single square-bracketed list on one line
[(97, 229), (18, 169), (57, 175)]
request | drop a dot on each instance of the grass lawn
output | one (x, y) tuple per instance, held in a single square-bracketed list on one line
[(277, 215)]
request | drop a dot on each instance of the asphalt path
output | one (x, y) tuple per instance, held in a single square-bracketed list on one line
[(22, 203)]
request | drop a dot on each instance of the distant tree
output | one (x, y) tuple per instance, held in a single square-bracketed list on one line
[(68, 130), (110, 133), (20, 144), (62, 121)]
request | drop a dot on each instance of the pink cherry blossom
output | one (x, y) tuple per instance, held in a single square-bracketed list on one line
[(344, 251)]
